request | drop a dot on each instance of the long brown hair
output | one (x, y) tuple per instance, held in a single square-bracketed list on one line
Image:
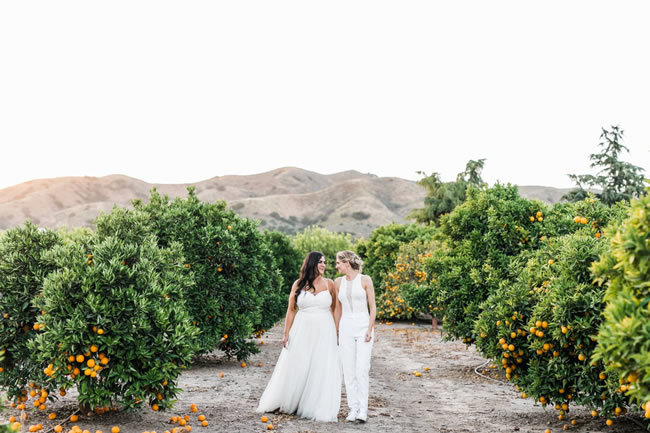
[(308, 272)]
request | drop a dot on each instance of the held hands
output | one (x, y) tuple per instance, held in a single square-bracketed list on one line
[(368, 336), (285, 341)]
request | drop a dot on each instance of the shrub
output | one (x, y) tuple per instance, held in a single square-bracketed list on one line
[(115, 323), (314, 238), (360, 216), (22, 271), (624, 335), (237, 285)]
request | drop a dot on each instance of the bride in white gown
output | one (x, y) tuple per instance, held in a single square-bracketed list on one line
[(307, 377)]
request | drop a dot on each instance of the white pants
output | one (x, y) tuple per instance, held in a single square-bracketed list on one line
[(355, 358)]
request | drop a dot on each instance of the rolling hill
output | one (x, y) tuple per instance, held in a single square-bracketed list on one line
[(286, 199)]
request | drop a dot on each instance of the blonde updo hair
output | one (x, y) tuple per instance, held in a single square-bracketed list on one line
[(351, 258)]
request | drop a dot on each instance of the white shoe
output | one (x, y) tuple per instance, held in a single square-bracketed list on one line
[(352, 415), (362, 416)]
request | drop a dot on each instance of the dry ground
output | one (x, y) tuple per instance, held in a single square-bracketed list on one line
[(450, 397)]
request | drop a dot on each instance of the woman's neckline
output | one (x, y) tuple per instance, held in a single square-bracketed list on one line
[(352, 279)]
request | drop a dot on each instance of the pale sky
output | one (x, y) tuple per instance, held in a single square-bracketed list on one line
[(177, 92)]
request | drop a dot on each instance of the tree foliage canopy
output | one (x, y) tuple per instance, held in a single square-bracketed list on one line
[(618, 180), (443, 197)]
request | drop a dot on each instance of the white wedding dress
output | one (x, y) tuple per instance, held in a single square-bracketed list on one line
[(307, 377)]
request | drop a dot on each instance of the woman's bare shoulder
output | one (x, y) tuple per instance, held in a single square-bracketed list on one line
[(365, 279)]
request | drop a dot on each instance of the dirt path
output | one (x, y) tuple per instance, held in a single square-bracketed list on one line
[(449, 397)]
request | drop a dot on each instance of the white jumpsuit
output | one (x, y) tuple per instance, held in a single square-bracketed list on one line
[(354, 350)]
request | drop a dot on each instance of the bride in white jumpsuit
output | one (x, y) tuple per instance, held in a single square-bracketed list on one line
[(355, 293)]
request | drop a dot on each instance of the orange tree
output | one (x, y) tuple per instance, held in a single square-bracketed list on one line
[(529, 273), (540, 327), (502, 325), (287, 258), (624, 335), (22, 270), (237, 287), (562, 327), (406, 287), (481, 236), (380, 251), (116, 324)]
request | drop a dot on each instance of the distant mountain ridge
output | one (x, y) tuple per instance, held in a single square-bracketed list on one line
[(286, 199)]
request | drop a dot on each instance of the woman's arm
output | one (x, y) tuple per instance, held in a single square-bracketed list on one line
[(338, 309), (291, 313), (370, 292)]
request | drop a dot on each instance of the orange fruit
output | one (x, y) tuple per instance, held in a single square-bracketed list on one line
[(204, 423), (58, 429), (74, 418), (154, 407), (269, 426), (201, 417), (264, 419), (115, 429), (52, 415), (80, 358)]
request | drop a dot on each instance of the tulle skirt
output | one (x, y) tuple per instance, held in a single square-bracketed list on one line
[(307, 377)]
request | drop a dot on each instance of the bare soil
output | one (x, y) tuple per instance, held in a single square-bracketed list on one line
[(449, 397)]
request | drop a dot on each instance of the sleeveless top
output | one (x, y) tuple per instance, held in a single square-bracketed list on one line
[(353, 297)]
